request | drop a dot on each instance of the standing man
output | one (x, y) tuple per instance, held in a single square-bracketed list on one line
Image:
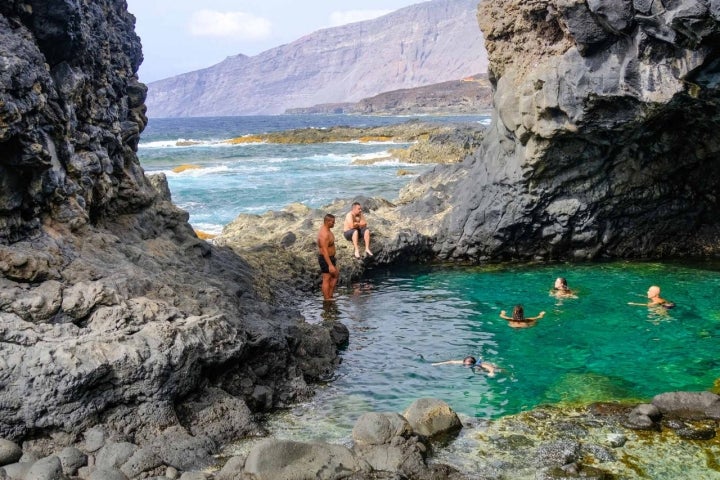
[(356, 226), (326, 257)]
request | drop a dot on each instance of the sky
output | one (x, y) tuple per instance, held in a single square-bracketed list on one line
[(180, 36)]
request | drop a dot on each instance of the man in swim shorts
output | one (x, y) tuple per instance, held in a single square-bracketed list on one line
[(326, 257), (355, 226)]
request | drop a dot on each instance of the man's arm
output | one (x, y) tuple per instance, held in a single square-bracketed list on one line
[(449, 362), (362, 223), (348, 224)]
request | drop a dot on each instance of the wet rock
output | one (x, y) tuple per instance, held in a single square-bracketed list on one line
[(696, 433), (600, 453), (616, 440), (557, 453), (430, 417)]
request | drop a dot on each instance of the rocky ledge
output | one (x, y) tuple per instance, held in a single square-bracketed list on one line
[(661, 439)]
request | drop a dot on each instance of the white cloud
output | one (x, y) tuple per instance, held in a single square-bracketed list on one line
[(209, 23), (351, 16)]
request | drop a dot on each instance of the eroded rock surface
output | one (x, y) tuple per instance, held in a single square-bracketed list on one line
[(603, 141), (112, 311)]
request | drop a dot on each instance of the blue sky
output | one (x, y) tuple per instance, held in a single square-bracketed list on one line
[(180, 36)]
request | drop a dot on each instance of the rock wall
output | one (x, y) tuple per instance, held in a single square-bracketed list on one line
[(603, 142), (111, 309)]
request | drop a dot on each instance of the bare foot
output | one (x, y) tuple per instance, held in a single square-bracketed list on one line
[(368, 253), (357, 254)]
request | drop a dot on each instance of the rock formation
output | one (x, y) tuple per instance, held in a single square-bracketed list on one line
[(471, 95), (603, 142), (418, 45), (112, 311)]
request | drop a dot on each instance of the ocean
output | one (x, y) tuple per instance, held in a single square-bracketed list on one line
[(227, 180)]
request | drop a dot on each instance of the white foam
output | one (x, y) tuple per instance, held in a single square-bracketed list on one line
[(187, 143)]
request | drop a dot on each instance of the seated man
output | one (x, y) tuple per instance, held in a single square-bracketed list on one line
[(356, 226)]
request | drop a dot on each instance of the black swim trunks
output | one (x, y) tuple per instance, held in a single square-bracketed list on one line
[(349, 233), (324, 267)]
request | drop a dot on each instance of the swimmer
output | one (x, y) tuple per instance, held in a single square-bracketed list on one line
[(470, 361), (654, 299), (518, 319), (561, 290)]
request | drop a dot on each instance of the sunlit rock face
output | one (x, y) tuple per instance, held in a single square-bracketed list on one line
[(604, 139)]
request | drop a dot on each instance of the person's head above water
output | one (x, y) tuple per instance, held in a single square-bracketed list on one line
[(469, 360), (561, 284), (653, 292), (518, 313)]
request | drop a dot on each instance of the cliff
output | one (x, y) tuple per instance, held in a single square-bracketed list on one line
[(427, 43), (471, 95), (112, 311), (603, 141)]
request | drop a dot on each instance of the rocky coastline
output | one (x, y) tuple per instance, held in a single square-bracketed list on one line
[(130, 348)]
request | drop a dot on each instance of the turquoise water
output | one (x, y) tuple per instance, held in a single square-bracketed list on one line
[(255, 178), (590, 348)]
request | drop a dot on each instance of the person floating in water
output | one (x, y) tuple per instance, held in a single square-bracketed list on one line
[(518, 319), (561, 290), (470, 361), (654, 299)]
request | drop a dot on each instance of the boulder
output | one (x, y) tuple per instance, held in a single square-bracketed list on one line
[(430, 417), (232, 469), (72, 459), (10, 452), (380, 428), (48, 468), (695, 404), (275, 459)]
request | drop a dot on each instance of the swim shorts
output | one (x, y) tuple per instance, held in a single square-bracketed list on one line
[(349, 233), (324, 267)]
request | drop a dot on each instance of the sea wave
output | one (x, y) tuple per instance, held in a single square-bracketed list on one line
[(197, 172), (185, 143)]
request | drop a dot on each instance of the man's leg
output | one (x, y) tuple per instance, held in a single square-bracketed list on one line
[(355, 240), (333, 282), (367, 242), (326, 286)]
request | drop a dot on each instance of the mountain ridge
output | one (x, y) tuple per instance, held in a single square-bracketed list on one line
[(422, 44)]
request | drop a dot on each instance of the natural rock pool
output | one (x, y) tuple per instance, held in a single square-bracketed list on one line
[(591, 348)]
